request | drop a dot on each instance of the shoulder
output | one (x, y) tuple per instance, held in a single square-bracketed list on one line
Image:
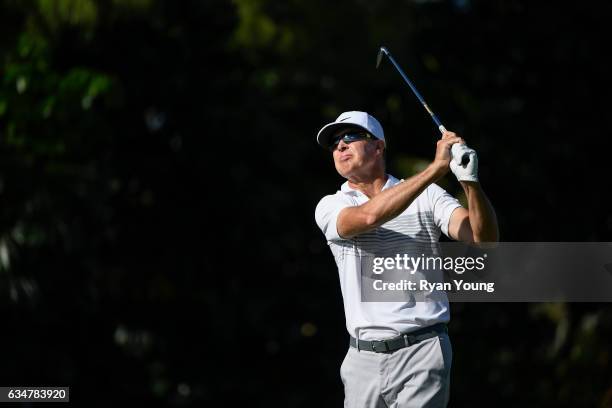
[(333, 201), (435, 190), (327, 211)]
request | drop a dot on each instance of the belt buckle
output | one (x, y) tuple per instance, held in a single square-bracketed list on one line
[(409, 340), (379, 343)]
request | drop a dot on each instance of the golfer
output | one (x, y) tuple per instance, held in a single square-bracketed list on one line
[(400, 353)]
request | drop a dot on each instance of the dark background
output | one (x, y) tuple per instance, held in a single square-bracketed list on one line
[(159, 174)]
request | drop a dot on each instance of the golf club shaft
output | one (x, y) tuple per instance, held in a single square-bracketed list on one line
[(465, 159), (416, 93)]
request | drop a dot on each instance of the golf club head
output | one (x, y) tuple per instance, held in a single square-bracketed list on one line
[(381, 51)]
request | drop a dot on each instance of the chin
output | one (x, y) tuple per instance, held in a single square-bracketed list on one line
[(342, 173), (343, 170)]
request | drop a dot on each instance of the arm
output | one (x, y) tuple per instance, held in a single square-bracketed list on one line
[(479, 223), (392, 202), (385, 206)]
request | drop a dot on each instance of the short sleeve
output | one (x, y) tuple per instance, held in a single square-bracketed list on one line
[(443, 204), (326, 215)]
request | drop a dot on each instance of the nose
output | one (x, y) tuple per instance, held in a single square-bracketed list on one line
[(342, 146)]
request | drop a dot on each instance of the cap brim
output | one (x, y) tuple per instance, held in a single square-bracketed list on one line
[(327, 131)]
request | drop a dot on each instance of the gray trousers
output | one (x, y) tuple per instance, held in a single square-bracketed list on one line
[(415, 376)]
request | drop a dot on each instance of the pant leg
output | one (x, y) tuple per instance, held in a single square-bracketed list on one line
[(419, 375), (361, 376)]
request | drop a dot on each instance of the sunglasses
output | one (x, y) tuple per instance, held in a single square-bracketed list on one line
[(348, 138)]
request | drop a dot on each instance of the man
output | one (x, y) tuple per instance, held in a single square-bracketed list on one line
[(400, 354)]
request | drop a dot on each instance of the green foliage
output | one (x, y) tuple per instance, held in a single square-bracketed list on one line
[(34, 92), (257, 30), (57, 13)]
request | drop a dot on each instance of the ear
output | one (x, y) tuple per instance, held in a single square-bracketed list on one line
[(380, 146)]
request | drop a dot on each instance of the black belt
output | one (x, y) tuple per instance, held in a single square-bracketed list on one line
[(396, 343)]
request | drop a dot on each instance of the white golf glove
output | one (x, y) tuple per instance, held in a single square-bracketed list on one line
[(469, 172)]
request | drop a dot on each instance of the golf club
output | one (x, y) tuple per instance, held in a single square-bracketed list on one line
[(383, 51)]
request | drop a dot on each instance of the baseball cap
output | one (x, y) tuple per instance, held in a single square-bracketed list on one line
[(351, 119)]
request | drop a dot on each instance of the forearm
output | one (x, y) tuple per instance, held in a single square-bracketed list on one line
[(483, 220), (392, 202), (386, 205)]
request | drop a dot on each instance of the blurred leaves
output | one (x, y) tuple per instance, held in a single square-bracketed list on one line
[(82, 13), (257, 29)]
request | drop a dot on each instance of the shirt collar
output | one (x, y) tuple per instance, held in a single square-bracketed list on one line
[(391, 181)]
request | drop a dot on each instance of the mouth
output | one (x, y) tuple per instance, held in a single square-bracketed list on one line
[(345, 157)]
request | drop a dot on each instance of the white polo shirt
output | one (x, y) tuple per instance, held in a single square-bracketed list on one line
[(422, 222)]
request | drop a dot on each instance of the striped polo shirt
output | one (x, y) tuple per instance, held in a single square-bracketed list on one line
[(413, 232)]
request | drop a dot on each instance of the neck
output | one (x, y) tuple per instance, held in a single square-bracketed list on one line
[(368, 186)]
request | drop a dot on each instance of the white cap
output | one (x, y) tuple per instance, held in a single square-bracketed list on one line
[(348, 120)]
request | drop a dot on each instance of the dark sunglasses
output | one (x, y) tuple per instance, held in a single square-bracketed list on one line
[(348, 138)]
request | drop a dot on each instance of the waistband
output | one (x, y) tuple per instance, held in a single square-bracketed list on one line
[(399, 342)]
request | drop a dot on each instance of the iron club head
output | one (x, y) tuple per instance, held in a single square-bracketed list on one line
[(381, 51)]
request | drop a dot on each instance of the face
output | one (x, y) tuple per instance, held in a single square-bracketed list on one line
[(358, 158)]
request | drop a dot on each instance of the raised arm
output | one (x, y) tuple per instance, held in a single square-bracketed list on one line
[(391, 202), (479, 223)]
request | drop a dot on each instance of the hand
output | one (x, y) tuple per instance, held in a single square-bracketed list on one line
[(468, 172), (443, 151)]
